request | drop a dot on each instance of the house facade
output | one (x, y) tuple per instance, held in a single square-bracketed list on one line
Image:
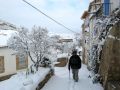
[(11, 63), (104, 32), (109, 6), (85, 36), (109, 69)]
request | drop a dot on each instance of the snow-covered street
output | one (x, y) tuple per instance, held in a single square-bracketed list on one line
[(19, 81), (61, 81)]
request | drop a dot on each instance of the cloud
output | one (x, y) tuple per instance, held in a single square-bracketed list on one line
[(67, 12)]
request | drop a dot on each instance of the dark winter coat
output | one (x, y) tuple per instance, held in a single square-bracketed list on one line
[(74, 62)]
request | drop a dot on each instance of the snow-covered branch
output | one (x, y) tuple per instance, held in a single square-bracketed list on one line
[(34, 43)]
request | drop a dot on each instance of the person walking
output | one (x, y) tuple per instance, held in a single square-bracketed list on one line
[(75, 65)]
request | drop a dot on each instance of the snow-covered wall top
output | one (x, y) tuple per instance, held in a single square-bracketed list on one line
[(22, 82)]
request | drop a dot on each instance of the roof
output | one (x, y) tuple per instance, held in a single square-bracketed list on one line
[(85, 14), (7, 26), (91, 3), (6, 30), (3, 46), (65, 40), (94, 3), (6, 34)]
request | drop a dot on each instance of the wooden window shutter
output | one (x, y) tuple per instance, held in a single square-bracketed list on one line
[(19, 65), (26, 61), (2, 69), (17, 62)]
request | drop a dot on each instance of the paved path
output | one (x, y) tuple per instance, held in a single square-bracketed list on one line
[(61, 81)]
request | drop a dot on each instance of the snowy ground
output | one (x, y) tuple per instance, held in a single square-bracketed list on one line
[(61, 81), (21, 82)]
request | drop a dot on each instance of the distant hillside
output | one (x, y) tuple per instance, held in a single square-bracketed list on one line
[(7, 26), (6, 30)]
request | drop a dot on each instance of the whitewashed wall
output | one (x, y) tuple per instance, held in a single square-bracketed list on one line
[(9, 61)]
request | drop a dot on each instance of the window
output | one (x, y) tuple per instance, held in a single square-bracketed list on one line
[(21, 62), (2, 64)]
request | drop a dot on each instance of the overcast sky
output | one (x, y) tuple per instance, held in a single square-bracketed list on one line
[(67, 12)]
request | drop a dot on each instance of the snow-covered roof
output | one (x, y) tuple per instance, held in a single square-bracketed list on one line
[(7, 26), (3, 46), (62, 55), (6, 30), (65, 40), (63, 35), (79, 49), (91, 0), (5, 36)]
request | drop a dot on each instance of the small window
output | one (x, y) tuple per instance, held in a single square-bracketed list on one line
[(21, 62), (2, 64)]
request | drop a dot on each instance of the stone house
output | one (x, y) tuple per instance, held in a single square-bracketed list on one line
[(85, 37), (104, 27), (88, 32), (65, 45), (65, 40), (110, 60)]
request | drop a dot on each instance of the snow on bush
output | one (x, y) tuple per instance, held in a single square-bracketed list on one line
[(101, 31), (21, 82)]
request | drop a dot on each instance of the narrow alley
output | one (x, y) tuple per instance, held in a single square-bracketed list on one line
[(41, 40), (61, 81)]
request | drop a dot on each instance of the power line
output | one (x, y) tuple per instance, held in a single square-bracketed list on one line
[(49, 17)]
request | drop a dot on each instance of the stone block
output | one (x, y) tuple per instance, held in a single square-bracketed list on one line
[(113, 85)]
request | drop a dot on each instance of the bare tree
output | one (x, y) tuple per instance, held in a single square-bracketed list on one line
[(34, 43)]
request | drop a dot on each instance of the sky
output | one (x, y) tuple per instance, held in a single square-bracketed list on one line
[(67, 12)]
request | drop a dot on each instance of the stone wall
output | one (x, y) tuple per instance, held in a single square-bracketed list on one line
[(110, 58), (113, 85), (83, 55), (45, 80), (62, 62)]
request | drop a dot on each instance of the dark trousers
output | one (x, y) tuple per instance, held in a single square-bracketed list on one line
[(75, 74)]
